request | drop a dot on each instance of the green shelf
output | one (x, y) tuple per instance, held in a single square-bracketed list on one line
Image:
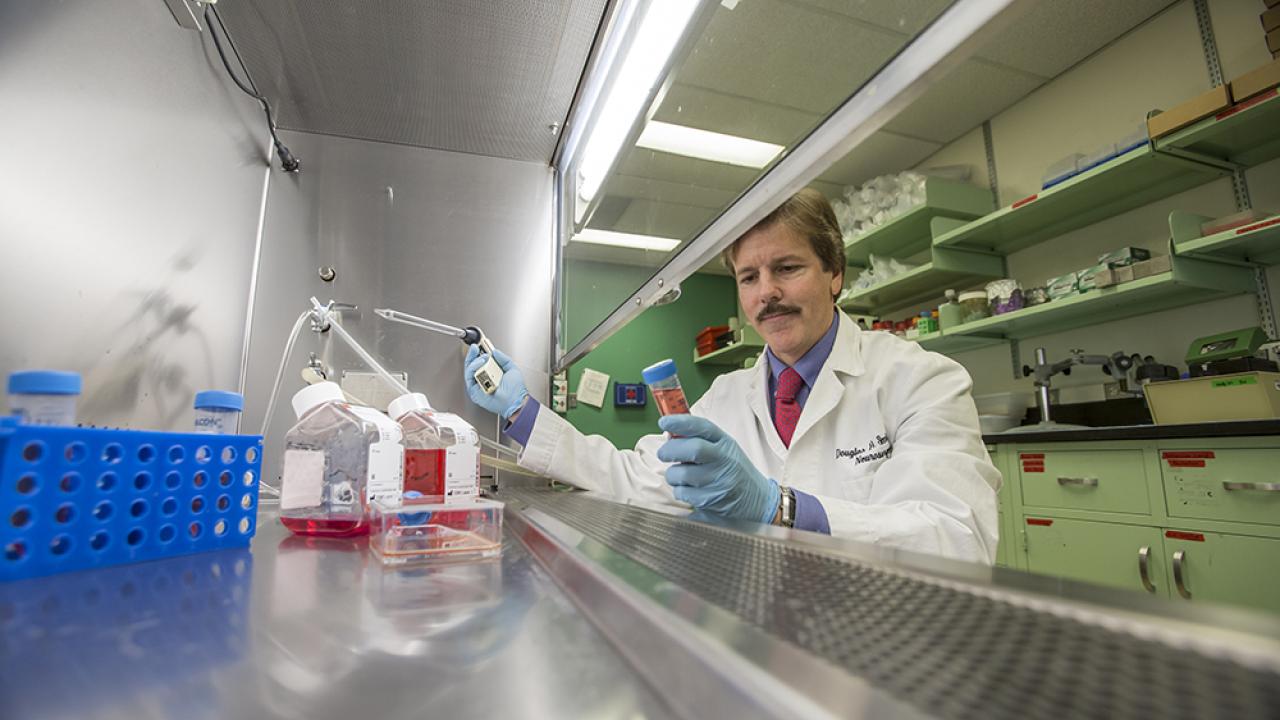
[(949, 342), (909, 233), (1247, 134), (1257, 242), (1136, 178), (1190, 281), (732, 355), (949, 268)]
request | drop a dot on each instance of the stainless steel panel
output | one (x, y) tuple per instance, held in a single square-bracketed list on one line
[(950, 639), (130, 180), (490, 78), (462, 239), (314, 629)]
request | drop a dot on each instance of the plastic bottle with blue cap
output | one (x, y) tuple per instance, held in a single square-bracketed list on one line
[(665, 385), (44, 397), (218, 412)]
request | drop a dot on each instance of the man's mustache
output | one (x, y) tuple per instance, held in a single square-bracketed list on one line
[(776, 309)]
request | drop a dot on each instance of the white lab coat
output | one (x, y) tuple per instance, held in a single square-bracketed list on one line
[(888, 442)]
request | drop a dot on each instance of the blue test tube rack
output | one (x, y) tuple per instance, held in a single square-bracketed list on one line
[(76, 498)]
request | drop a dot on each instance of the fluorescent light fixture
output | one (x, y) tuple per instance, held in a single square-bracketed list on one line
[(657, 34), (627, 240), (707, 145)]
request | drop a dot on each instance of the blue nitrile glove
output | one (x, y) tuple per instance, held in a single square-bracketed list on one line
[(713, 474), (511, 392)]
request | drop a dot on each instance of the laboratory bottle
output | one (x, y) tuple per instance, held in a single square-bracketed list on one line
[(337, 459), (44, 397), (218, 411), (950, 313), (665, 385), (441, 451)]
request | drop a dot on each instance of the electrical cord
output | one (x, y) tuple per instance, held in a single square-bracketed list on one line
[(288, 161)]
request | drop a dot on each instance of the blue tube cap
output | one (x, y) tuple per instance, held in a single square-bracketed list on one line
[(659, 371), (44, 382), (219, 400)]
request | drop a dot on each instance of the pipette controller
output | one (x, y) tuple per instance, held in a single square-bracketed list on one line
[(488, 377)]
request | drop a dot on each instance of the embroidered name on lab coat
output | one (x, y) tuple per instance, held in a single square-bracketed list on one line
[(877, 449)]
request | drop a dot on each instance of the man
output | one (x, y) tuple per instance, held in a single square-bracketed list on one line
[(857, 434)]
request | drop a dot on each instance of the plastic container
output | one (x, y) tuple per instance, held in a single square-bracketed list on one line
[(927, 323), (1004, 296), (1134, 139), (665, 386), (1061, 170), (1097, 157), (950, 313), (337, 459), (974, 306), (415, 530), (77, 498), (441, 451), (1230, 222), (1035, 296), (44, 397), (218, 411)]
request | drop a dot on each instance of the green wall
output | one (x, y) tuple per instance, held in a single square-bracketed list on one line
[(662, 332)]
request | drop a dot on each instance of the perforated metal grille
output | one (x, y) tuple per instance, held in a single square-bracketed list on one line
[(949, 652), (479, 76)]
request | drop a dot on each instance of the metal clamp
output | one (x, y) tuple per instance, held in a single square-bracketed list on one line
[(1179, 558), (1264, 487), (1144, 568), (1077, 481)]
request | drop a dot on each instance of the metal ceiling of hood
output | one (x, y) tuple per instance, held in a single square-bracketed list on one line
[(488, 77)]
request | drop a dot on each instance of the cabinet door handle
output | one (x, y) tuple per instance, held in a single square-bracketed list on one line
[(1264, 487), (1179, 558), (1079, 482), (1144, 568)]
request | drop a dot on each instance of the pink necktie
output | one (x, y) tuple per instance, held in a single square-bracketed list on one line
[(786, 411)]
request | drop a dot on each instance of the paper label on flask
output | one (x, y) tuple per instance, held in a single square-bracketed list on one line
[(302, 481), (386, 472), (461, 481)]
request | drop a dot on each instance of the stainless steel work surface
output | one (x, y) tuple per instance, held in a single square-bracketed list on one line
[(854, 628), (306, 628)]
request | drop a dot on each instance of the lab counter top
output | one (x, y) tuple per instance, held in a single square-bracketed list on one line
[(307, 628), (1238, 428), (605, 610)]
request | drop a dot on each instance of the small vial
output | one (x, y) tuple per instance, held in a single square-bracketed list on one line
[(665, 385), (218, 412), (44, 397)]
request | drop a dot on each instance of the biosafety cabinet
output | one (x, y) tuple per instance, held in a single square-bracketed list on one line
[(1096, 181)]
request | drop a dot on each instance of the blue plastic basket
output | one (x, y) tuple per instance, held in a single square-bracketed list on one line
[(75, 498)]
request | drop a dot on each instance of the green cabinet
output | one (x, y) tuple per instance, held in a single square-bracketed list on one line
[(1123, 556), (1217, 567), (1124, 513)]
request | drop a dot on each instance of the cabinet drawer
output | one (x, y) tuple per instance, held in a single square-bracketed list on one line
[(1124, 556), (1101, 480), (1231, 485)]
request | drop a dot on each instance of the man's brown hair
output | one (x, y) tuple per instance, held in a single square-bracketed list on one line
[(809, 215)]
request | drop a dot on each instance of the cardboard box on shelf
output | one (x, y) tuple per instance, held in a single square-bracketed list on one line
[(1272, 3), (1270, 19), (1190, 111), (1154, 266), (1273, 41), (1256, 80)]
